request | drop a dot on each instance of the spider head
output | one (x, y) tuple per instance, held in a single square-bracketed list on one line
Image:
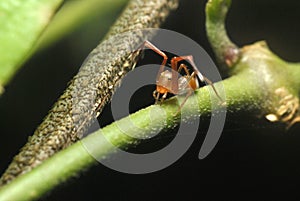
[(163, 86)]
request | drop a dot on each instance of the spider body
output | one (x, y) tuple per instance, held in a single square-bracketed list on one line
[(165, 84), (171, 81)]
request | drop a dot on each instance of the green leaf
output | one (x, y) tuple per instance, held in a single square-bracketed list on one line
[(74, 14), (21, 23)]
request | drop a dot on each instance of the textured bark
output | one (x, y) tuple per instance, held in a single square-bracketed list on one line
[(93, 86)]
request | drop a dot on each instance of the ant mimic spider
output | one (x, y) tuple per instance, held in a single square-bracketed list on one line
[(168, 82)]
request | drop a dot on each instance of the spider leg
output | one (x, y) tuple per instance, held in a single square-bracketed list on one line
[(174, 64), (152, 47), (200, 76), (183, 102), (163, 98), (183, 66), (213, 87), (156, 96), (189, 78)]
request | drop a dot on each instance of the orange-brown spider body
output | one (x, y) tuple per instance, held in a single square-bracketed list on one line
[(170, 81)]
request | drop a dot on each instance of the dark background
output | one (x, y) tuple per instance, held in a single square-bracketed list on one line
[(253, 160)]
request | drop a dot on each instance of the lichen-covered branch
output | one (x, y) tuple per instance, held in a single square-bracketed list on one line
[(93, 86)]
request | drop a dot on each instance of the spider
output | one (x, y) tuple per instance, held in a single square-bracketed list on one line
[(167, 81)]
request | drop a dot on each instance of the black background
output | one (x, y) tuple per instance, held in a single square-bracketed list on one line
[(253, 160)]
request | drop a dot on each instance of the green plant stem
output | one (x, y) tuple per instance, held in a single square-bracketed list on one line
[(259, 63), (74, 159), (226, 51), (21, 23), (242, 95)]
